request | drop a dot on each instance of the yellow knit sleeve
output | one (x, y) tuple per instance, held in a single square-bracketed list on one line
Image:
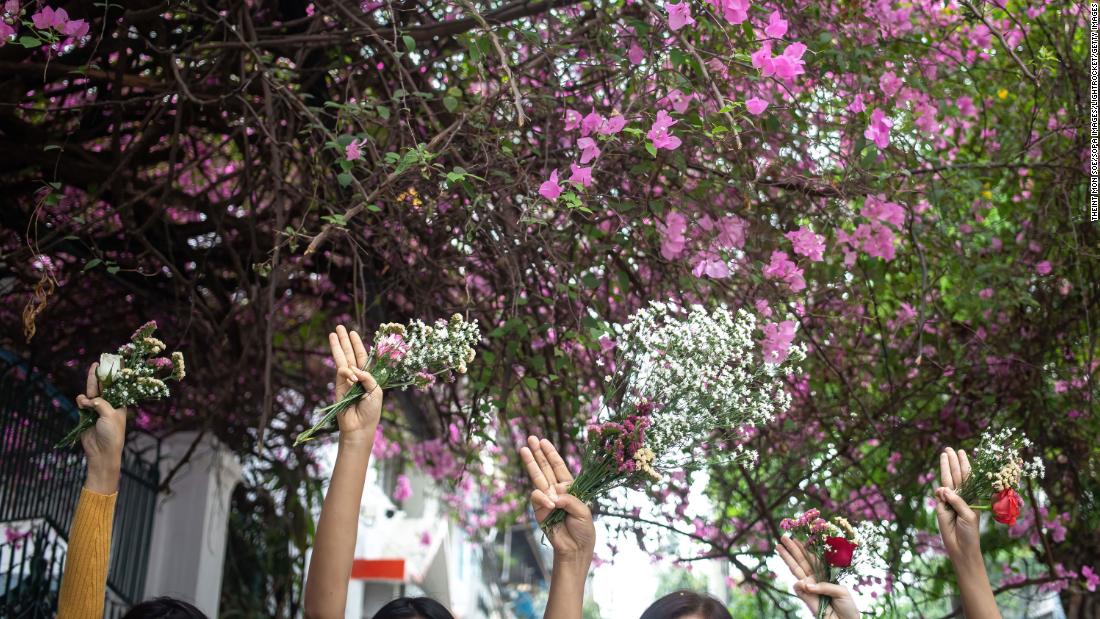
[(84, 583)]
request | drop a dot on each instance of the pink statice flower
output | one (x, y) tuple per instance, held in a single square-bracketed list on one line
[(550, 189), (777, 340), (392, 346)]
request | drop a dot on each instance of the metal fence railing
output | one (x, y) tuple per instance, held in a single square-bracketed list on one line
[(39, 488)]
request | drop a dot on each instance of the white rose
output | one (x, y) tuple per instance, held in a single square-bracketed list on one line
[(109, 366)]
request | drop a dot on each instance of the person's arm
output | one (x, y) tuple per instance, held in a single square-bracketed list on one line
[(334, 544), (801, 564), (573, 540), (961, 533), (84, 582)]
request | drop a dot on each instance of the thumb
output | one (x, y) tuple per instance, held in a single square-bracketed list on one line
[(832, 590), (104, 409), (573, 506)]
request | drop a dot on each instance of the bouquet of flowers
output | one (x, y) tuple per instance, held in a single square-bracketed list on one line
[(682, 378), (408, 356), (996, 470), (136, 373), (832, 542)]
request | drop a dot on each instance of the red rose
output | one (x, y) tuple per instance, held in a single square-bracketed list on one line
[(839, 553), (1006, 506)]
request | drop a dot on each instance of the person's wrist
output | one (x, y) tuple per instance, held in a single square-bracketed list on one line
[(103, 475), (573, 561), (359, 437), (969, 563)]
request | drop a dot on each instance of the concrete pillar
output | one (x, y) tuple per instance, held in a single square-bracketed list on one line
[(187, 549)]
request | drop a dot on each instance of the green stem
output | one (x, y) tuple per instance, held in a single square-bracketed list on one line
[(87, 420)]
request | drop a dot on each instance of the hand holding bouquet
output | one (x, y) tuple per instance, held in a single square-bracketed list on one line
[(132, 375), (990, 482), (405, 356), (682, 378), (827, 555)]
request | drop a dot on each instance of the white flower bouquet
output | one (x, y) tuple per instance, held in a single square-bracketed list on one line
[(998, 469), (408, 356), (136, 373), (683, 378)]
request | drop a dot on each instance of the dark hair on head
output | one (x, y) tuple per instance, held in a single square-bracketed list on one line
[(413, 608), (164, 608), (683, 603)]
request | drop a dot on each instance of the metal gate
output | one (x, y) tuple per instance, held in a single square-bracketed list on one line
[(39, 488)]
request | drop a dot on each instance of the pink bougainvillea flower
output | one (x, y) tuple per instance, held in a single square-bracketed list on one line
[(1043, 268), (756, 106), (856, 105), (788, 64), (550, 189), (710, 264), (636, 54), (354, 150), (677, 100), (679, 15), (76, 29), (402, 488), (966, 107), (878, 131), (805, 243), (572, 119), (658, 132), (735, 11), (777, 339), (731, 232), (49, 18), (777, 26), (762, 58), (581, 176), (889, 83), (591, 122), (6, 32), (612, 125), (672, 235), (589, 149), (878, 208), (782, 268)]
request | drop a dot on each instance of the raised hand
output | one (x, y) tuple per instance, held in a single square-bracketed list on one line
[(959, 524), (575, 538), (102, 442), (804, 566), (350, 356)]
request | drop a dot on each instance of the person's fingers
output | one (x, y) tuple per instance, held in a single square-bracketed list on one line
[(345, 374), (573, 506), (805, 559), (533, 470), (832, 590), (959, 505), (540, 500), (345, 343), (561, 471), (540, 457), (91, 387), (364, 377), (359, 350), (945, 471), (104, 409), (956, 468), (964, 462), (812, 601), (792, 563), (338, 356)]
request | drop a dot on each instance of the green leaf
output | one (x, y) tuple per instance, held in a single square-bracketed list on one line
[(112, 269), (29, 41), (51, 147), (337, 220), (383, 111), (651, 149), (374, 208), (450, 103), (91, 264), (344, 179), (410, 44)]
